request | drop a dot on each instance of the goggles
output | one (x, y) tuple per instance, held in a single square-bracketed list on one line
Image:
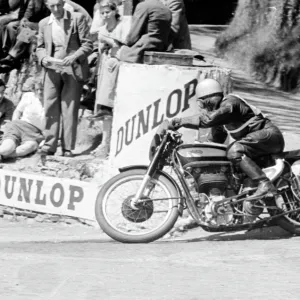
[(205, 101)]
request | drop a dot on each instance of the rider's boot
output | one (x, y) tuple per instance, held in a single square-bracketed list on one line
[(265, 186), (250, 168)]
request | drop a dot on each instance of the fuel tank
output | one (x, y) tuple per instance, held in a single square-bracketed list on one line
[(204, 153)]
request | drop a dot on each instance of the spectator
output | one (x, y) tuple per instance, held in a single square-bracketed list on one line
[(149, 31), (25, 30), (180, 34), (97, 20), (11, 29), (111, 20), (28, 27), (9, 10), (62, 90), (23, 134), (6, 107)]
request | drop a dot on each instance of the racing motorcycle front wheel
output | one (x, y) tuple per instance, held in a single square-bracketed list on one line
[(149, 220)]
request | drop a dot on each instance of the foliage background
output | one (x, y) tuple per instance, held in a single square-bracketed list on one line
[(263, 38)]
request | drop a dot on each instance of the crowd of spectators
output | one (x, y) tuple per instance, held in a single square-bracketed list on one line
[(80, 57)]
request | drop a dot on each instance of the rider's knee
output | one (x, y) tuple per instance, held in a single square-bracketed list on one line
[(235, 151)]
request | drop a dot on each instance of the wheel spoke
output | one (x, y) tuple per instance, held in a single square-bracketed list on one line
[(148, 216), (287, 202)]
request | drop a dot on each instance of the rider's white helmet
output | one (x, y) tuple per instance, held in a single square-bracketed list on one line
[(208, 87)]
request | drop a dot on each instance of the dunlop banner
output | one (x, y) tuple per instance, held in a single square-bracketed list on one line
[(48, 194), (146, 95)]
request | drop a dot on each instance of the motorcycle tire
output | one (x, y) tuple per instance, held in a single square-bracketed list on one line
[(120, 236)]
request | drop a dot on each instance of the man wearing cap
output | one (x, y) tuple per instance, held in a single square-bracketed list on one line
[(254, 134)]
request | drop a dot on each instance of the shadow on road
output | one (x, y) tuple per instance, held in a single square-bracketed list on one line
[(270, 233)]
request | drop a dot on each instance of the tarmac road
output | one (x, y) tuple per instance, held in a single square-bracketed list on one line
[(208, 267), (49, 261)]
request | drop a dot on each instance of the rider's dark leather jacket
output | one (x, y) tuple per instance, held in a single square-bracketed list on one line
[(232, 114)]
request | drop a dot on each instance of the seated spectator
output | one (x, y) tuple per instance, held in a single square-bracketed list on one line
[(11, 29), (150, 31), (180, 34), (23, 134), (9, 10), (6, 107), (21, 33)]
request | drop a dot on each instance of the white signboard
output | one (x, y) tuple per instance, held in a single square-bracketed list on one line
[(48, 194), (145, 96)]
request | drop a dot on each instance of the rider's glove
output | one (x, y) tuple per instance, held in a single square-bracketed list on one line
[(175, 124)]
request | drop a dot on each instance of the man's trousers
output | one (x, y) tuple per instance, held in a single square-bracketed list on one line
[(61, 101)]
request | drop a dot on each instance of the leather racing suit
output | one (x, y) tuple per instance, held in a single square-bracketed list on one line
[(254, 134)]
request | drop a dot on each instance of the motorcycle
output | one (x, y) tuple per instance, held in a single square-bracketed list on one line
[(142, 203)]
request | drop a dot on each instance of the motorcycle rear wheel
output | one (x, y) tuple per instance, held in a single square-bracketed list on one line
[(127, 225), (287, 201)]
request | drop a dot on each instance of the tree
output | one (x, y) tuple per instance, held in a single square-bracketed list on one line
[(263, 37)]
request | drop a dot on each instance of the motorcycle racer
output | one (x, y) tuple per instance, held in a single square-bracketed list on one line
[(254, 134)]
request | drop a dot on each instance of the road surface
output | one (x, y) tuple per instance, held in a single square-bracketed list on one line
[(198, 266)]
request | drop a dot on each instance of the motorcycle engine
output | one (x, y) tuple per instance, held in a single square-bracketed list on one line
[(212, 180), (212, 184)]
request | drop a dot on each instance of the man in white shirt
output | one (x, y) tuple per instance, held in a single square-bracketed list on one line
[(64, 37), (23, 134)]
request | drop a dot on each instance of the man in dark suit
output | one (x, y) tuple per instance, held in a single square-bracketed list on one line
[(180, 34), (63, 36), (21, 33), (149, 31), (11, 29)]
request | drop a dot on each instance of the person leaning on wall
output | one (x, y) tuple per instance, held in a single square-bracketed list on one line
[(110, 22)]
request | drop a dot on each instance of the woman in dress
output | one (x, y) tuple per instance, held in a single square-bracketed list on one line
[(107, 47)]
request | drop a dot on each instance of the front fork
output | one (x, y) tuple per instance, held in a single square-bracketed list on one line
[(149, 175), (137, 198)]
